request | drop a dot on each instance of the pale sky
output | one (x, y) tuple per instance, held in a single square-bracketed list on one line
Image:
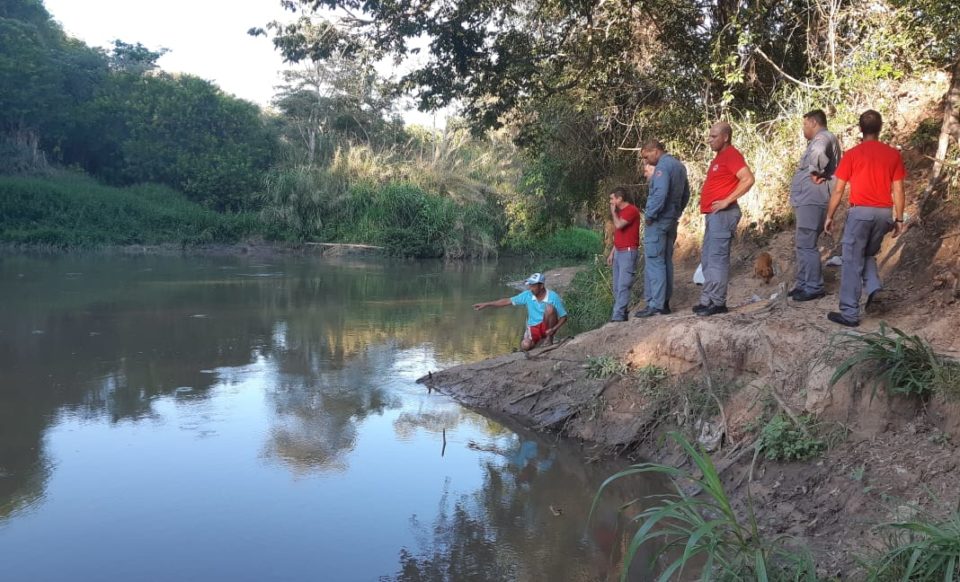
[(206, 38)]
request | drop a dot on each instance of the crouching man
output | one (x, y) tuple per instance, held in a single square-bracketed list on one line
[(545, 311)]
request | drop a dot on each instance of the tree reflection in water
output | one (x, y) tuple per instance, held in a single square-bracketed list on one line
[(529, 521)]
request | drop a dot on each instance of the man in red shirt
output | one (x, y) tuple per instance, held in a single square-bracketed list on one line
[(623, 255), (875, 173), (728, 178)]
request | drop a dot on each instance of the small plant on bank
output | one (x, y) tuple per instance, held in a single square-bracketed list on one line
[(600, 367), (650, 378), (907, 364), (703, 535), (922, 549), (783, 440)]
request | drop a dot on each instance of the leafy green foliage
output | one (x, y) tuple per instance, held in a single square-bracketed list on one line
[(907, 364), (181, 131), (923, 549), (589, 300), (600, 367), (72, 211), (690, 534), (569, 243), (782, 440)]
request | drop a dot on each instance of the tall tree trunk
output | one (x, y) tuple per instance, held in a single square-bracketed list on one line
[(951, 121), (949, 129)]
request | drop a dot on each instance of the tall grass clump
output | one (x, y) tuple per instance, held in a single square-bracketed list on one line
[(701, 536), (924, 549), (417, 204), (74, 211), (907, 364), (589, 300)]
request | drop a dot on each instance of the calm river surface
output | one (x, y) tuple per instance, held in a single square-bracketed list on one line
[(166, 418)]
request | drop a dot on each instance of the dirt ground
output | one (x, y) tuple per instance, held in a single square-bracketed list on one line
[(893, 457)]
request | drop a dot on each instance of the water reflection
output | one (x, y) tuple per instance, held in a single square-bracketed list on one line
[(529, 521), (280, 368)]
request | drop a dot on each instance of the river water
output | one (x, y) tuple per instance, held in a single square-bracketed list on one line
[(168, 418)]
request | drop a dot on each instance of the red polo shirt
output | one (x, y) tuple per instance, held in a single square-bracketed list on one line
[(628, 236), (721, 177), (871, 168)]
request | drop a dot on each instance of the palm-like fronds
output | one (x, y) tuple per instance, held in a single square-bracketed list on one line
[(920, 550), (908, 364), (704, 532)]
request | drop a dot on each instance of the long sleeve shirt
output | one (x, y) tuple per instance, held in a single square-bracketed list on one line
[(820, 159), (669, 190)]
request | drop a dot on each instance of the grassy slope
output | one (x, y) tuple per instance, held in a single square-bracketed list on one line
[(73, 211)]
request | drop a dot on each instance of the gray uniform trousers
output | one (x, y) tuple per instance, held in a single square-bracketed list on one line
[(715, 255), (810, 219), (659, 238), (624, 268), (862, 236)]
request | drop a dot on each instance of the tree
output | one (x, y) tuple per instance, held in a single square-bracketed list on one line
[(340, 98), (134, 58)]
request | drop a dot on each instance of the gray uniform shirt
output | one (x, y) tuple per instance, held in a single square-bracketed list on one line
[(669, 190), (821, 158)]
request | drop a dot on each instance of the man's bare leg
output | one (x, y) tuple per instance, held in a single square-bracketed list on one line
[(550, 317)]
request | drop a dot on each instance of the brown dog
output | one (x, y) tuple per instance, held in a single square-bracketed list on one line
[(763, 267)]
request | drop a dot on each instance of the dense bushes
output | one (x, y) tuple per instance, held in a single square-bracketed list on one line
[(567, 243), (73, 211)]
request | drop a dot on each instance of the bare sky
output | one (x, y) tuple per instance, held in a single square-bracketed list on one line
[(206, 38)]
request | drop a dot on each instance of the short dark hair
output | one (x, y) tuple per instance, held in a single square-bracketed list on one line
[(621, 193), (653, 144), (871, 122), (817, 115)]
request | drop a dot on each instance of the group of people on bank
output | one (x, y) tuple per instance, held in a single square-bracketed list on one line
[(873, 170)]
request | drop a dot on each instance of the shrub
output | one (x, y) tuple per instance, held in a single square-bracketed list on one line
[(604, 366), (568, 243), (73, 211), (782, 440), (703, 533), (589, 299), (907, 364), (919, 550)]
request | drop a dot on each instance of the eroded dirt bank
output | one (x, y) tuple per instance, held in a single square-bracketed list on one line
[(887, 455)]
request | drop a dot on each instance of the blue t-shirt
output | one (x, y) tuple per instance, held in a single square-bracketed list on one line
[(535, 307)]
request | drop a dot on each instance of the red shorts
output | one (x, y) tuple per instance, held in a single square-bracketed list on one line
[(536, 333)]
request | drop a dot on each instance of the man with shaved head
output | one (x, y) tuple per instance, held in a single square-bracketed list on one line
[(728, 178)]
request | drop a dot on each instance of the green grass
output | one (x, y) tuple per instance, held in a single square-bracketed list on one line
[(567, 243), (702, 537), (589, 300), (907, 364), (923, 549), (74, 211)]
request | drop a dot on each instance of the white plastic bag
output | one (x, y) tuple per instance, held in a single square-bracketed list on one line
[(698, 276)]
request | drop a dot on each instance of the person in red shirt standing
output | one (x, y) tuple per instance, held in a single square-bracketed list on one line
[(728, 178), (875, 173), (623, 255)]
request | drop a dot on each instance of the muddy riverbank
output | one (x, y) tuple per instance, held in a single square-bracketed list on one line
[(769, 355)]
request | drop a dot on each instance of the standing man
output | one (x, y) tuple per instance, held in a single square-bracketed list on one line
[(728, 178), (545, 311), (809, 196), (669, 195), (623, 255), (875, 173)]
